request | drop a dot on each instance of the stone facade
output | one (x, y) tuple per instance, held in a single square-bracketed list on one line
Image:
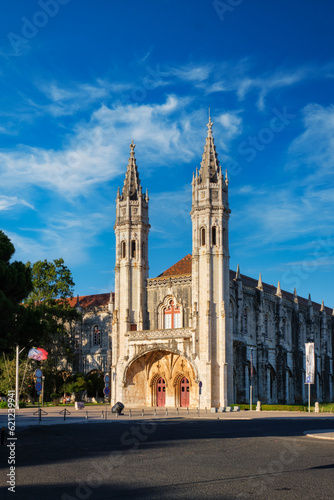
[(92, 334), (200, 334)]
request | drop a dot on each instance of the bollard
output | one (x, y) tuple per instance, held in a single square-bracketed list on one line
[(102, 414), (155, 411), (86, 416), (197, 410), (2, 436), (187, 411), (117, 414), (177, 410), (142, 413), (130, 415), (206, 410), (39, 413)]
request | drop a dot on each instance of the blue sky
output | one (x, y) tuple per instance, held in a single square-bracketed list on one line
[(81, 79)]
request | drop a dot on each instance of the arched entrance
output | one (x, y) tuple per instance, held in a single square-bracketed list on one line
[(154, 379), (184, 392), (161, 392)]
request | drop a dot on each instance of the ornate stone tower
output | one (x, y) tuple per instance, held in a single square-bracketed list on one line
[(131, 269), (210, 278)]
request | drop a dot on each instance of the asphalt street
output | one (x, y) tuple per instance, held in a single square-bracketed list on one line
[(267, 458)]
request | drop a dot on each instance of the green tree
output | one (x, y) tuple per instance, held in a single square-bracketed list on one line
[(18, 324), (7, 376), (52, 288)]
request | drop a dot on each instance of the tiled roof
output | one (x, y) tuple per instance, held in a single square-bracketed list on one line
[(85, 301), (180, 268)]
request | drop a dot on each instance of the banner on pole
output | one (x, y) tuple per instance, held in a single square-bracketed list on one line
[(309, 352)]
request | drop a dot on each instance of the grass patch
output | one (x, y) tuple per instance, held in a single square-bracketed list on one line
[(324, 407)]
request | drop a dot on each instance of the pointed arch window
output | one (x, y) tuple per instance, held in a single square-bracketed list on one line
[(96, 335), (245, 321), (284, 329), (172, 315), (266, 326), (133, 249), (202, 236), (214, 235), (123, 249)]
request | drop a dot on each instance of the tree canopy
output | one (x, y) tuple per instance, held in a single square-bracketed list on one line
[(18, 324), (52, 287), (52, 282)]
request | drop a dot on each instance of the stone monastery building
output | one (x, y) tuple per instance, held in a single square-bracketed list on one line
[(199, 333)]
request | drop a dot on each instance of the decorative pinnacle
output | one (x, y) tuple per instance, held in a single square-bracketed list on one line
[(322, 308), (132, 147), (295, 296), (209, 125), (237, 274), (259, 283), (279, 291)]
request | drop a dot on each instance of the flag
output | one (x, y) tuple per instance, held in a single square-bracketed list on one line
[(39, 354), (309, 352), (251, 367)]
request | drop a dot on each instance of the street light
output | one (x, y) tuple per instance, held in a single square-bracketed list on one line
[(43, 378)]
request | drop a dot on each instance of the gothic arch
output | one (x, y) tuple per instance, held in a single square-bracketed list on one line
[(161, 348), (163, 305)]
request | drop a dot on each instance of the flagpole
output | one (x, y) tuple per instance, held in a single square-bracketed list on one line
[(251, 383), (17, 379)]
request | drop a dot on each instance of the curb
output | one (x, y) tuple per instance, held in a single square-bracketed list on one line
[(327, 434)]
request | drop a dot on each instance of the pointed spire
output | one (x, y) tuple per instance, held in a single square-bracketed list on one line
[(259, 283), (132, 185), (295, 296), (322, 308), (210, 164), (226, 178), (237, 274), (77, 305), (279, 291), (309, 301)]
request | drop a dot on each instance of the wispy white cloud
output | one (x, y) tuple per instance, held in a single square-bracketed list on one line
[(313, 150), (96, 150), (8, 202)]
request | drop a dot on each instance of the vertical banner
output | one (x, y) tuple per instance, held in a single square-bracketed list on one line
[(309, 352)]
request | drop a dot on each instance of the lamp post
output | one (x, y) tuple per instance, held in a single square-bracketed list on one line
[(43, 378)]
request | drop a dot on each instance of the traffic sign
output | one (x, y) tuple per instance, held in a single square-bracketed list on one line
[(38, 373), (38, 386), (200, 385), (38, 380), (107, 379), (106, 391)]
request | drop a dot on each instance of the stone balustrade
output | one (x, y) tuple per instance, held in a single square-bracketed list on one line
[(172, 333)]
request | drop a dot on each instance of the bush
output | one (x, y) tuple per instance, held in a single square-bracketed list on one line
[(4, 404)]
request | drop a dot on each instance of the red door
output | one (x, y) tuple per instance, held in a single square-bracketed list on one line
[(161, 392), (184, 392)]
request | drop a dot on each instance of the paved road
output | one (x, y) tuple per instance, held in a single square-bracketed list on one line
[(173, 458)]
